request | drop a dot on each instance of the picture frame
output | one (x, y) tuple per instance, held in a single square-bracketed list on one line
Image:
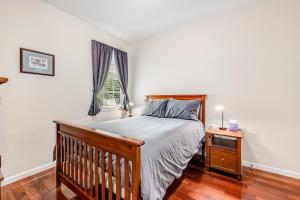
[(37, 62)]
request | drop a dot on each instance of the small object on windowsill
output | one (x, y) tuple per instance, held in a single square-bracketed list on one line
[(3, 80), (220, 109), (131, 104)]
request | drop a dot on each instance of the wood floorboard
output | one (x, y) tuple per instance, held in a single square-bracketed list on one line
[(196, 183)]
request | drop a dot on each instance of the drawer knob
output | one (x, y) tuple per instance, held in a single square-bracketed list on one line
[(222, 159)]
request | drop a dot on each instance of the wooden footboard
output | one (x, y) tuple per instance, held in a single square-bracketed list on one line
[(82, 155)]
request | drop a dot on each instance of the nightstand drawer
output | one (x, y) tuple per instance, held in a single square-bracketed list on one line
[(223, 160)]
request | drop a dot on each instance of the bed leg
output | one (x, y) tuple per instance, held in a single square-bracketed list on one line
[(140, 194), (58, 156), (58, 181)]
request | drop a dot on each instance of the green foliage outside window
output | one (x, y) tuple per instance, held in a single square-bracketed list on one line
[(110, 95)]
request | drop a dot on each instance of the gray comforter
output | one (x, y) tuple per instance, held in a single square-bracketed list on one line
[(169, 146)]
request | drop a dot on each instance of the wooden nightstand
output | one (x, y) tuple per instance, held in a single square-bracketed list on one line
[(223, 150)]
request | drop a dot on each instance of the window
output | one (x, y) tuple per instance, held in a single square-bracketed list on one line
[(110, 95)]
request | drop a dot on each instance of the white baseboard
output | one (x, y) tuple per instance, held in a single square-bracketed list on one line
[(274, 170), (27, 173)]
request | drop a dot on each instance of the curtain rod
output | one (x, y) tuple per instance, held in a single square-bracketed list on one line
[(109, 46)]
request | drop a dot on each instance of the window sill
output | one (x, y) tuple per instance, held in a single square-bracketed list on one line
[(108, 109)]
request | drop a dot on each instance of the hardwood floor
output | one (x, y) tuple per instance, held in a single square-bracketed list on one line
[(196, 184)]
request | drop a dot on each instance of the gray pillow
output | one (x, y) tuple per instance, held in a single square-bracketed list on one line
[(183, 109), (155, 108)]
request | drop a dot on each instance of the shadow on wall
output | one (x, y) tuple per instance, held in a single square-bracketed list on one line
[(247, 152), (252, 144)]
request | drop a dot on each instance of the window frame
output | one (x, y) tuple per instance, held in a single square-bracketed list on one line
[(117, 106)]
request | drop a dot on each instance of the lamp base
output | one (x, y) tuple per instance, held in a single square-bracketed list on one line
[(222, 128)]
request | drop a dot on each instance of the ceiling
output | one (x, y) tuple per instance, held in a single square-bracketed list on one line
[(134, 20)]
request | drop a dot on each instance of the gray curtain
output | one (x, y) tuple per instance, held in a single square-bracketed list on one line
[(101, 59), (122, 68)]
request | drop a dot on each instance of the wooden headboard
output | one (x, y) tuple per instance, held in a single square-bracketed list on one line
[(200, 97)]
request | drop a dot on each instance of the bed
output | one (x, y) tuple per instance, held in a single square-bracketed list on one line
[(141, 156)]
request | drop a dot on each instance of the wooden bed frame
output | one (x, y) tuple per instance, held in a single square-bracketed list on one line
[(76, 167)]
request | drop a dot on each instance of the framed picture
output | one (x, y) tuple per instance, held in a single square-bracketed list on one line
[(36, 62)]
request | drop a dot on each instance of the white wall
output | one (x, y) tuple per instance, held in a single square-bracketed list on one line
[(246, 59), (29, 103)]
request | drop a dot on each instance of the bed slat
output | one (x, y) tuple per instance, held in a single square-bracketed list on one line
[(96, 163), (72, 159), (102, 174), (64, 154), (76, 161), (110, 189), (91, 169), (68, 157), (80, 164), (118, 185), (126, 179), (85, 173)]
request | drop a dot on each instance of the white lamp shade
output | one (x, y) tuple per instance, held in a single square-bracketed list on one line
[(219, 108)]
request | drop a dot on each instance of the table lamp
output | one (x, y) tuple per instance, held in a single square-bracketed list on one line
[(220, 109), (131, 104)]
